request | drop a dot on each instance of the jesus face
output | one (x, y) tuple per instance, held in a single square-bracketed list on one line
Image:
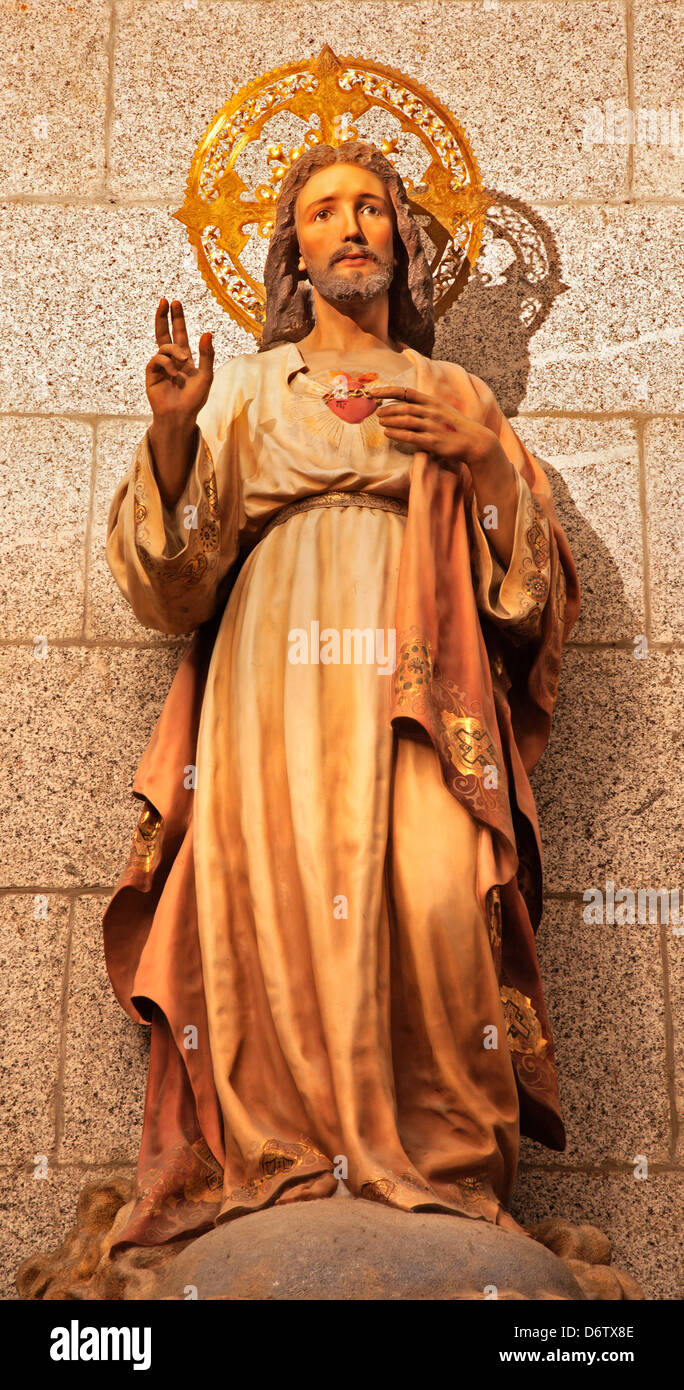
[(345, 226)]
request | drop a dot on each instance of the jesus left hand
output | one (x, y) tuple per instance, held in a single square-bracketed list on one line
[(430, 424), (453, 439)]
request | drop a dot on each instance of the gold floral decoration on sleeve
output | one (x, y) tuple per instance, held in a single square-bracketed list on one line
[(534, 571), (529, 573), (200, 554)]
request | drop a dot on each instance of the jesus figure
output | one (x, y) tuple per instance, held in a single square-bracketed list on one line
[(328, 917)]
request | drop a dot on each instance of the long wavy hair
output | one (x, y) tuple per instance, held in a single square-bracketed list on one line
[(289, 296)]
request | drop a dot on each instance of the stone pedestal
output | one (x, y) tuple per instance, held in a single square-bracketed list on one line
[(329, 1250)]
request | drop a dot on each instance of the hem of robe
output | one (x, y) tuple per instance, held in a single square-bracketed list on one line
[(179, 1182), (178, 1190)]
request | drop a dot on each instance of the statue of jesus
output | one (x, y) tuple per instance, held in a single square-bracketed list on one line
[(328, 917)]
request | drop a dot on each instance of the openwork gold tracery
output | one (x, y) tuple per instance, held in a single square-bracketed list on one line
[(336, 99)]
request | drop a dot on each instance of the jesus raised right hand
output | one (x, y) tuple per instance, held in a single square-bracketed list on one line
[(176, 390)]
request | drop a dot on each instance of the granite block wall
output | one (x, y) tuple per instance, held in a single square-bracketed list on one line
[(574, 316)]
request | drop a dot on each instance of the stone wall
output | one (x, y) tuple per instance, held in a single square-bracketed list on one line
[(574, 317)]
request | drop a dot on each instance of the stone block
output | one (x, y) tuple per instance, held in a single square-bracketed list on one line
[(45, 472), (53, 73), (658, 135), (604, 990), (33, 944), (675, 954), (95, 275), (105, 1068), (76, 725), (548, 68), (664, 451), (594, 475), (584, 312), (608, 788)]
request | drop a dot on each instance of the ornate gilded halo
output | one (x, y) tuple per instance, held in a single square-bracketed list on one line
[(350, 99)]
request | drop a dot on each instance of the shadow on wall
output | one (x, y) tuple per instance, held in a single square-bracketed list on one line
[(510, 293), (513, 285)]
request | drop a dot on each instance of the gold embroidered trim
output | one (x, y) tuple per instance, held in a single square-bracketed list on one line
[(533, 572), (537, 538), (338, 499), (463, 738), (191, 1169), (531, 1052), (278, 1156), (383, 1189), (523, 1028), (203, 540), (145, 838), (202, 1185), (473, 1194)]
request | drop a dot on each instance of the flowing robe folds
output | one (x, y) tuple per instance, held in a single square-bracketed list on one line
[(329, 909)]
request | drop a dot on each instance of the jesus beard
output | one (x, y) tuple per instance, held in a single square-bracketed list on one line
[(361, 284)]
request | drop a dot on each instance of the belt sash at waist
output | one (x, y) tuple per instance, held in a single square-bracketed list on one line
[(337, 499)]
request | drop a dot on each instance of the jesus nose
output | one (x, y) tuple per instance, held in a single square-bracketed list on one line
[(352, 229)]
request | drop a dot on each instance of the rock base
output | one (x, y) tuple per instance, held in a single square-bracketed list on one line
[(358, 1250), (333, 1249)]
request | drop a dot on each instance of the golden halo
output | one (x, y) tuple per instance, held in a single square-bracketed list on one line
[(346, 97)]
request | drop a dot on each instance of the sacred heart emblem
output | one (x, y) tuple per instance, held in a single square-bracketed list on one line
[(347, 397)]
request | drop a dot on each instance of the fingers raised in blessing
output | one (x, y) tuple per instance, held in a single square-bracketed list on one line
[(161, 323), (180, 332)]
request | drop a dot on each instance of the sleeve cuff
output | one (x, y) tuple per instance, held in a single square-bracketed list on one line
[(516, 595), (179, 541)]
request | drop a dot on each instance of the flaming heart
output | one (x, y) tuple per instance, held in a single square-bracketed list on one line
[(348, 400)]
